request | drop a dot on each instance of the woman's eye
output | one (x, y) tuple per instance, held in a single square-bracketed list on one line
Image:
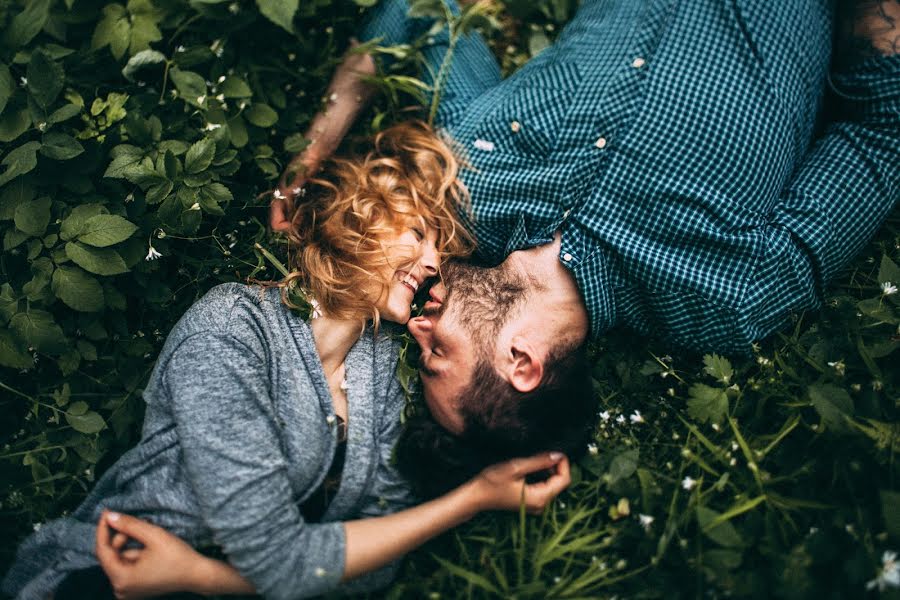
[(419, 233)]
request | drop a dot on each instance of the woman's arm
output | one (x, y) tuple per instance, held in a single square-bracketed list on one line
[(167, 564)]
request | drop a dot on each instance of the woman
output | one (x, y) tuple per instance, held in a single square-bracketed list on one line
[(268, 437)]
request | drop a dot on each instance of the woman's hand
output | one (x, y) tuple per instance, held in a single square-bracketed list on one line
[(504, 487), (164, 565), (297, 172)]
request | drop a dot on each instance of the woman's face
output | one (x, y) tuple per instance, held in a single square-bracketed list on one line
[(412, 259)]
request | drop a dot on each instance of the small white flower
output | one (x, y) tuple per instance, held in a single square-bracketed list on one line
[(485, 145), (333, 97), (316, 312), (320, 572), (153, 254), (605, 416), (292, 57), (592, 449), (212, 126), (129, 197), (688, 483), (23, 81), (838, 366), (221, 79), (234, 8), (888, 289), (646, 521), (278, 195), (201, 99), (37, 526), (732, 462), (221, 98), (180, 49), (734, 446), (889, 575), (716, 427), (344, 385), (636, 417), (195, 206), (620, 419)]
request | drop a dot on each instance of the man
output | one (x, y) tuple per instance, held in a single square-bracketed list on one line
[(665, 165)]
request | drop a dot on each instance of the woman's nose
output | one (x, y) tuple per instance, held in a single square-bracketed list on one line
[(430, 261)]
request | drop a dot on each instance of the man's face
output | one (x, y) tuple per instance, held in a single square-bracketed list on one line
[(457, 329)]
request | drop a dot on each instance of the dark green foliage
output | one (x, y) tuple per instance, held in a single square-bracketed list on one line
[(150, 127)]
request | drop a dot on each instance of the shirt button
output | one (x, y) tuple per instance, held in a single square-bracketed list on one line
[(638, 62), (515, 126), (600, 143), (567, 257)]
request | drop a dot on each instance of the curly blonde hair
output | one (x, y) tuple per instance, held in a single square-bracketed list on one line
[(339, 229)]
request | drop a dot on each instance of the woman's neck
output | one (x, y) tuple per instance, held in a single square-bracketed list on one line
[(334, 338)]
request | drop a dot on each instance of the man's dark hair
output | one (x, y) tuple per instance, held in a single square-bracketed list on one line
[(502, 423)]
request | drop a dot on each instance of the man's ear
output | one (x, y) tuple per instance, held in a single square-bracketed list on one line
[(526, 368)]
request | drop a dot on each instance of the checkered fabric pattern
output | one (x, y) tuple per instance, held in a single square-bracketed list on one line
[(681, 150)]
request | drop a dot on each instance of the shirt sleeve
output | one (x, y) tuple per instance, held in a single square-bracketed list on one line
[(222, 405), (389, 492), (837, 199)]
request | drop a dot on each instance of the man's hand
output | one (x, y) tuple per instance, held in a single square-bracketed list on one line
[(504, 487), (868, 28)]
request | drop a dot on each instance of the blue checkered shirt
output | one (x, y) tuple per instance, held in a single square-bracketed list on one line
[(680, 149)]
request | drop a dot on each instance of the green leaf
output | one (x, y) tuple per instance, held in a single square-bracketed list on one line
[(833, 404), (235, 87), (12, 355), (9, 303), (64, 113), (159, 192), (723, 533), (707, 403), (888, 271), (13, 124), (105, 230), (216, 192), (280, 12), (237, 131), (27, 24), (261, 115), (7, 86), (623, 466), (718, 367), (12, 196), (114, 30), (100, 261), (45, 79), (32, 217), (77, 289), (37, 329), (143, 32), (199, 156), (71, 225), (60, 146), (140, 60), (88, 423), (191, 86), (19, 161), (123, 157), (295, 143)]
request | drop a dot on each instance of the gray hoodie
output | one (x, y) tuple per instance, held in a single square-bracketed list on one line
[(239, 430)]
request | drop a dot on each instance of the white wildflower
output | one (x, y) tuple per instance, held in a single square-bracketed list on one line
[(688, 483), (179, 49), (734, 446), (234, 8), (605, 416), (646, 521), (889, 575), (888, 289), (201, 99), (320, 572), (212, 126), (620, 419), (221, 79), (153, 254), (333, 97), (37, 526), (838, 366), (23, 81), (195, 206), (636, 417), (316, 312), (715, 427), (592, 449), (732, 462), (278, 195)]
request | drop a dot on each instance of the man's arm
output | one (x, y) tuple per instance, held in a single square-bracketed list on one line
[(848, 182)]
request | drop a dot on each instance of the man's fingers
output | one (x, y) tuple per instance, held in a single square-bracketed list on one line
[(132, 554), (539, 495), (118, 541)]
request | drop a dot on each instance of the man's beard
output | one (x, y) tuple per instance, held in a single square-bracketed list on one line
[(482, 299)]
